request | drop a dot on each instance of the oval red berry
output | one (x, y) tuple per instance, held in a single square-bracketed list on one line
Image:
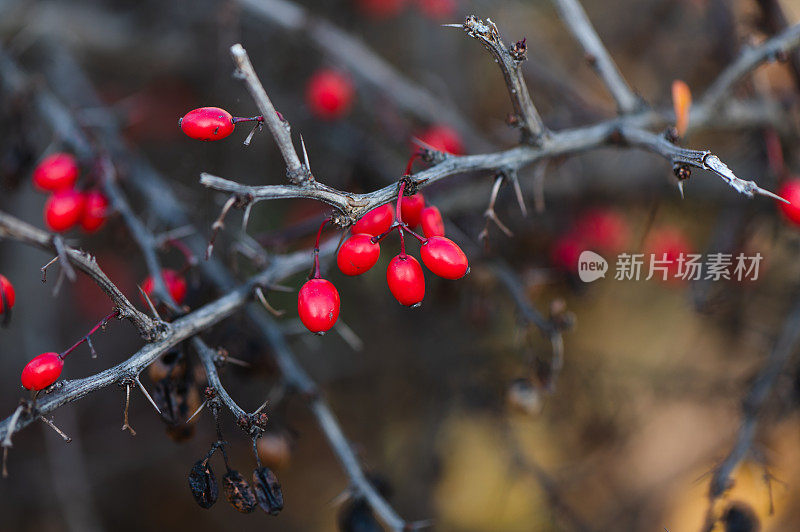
[(375, 222), (176, 285), (63, 210), (329, 94), (443, 257), (56, 172), (790, 191), (443, 138), (94, 211), (318, 305), (358, 254), (42, 371), (432, 223), (7, 295), (207, 123), (406, 280), (411, 207)]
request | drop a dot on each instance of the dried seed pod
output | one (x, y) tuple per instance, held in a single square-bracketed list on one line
[(203, 484), (238, 492), (268, 491)]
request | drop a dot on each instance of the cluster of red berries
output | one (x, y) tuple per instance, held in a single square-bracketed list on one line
[(68, 206), (318, 300), (385, 9)]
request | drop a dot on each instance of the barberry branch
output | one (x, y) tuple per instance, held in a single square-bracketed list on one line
[(578, 23), (12, 228), (510, 62)]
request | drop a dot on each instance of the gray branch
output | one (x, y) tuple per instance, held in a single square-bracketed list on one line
[(578, 23), (510, 62)]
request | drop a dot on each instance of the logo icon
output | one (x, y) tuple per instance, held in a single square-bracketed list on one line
[(591, 266)]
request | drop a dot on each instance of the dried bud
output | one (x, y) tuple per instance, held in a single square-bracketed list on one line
[(268, 491), (203, 484), (520, 50), (238, 492), (682, 172)]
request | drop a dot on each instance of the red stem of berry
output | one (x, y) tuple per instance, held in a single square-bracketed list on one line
[(399, 219), (411, 161), (237, 119), (101, 323), (316, 249), (188, 256)]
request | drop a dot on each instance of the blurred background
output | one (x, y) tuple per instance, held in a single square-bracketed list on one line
[(649, 400)]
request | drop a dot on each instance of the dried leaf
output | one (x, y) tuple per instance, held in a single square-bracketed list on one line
[(238, 492), (681, 101), (268, 491), (203, 484)]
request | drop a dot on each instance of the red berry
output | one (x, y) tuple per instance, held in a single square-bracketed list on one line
[(56, 172), (375, 222), (318, 305), (63, 210), (411, 207), (791, 192), (406, 280), (42, 371), (207, 123), (603, 230), (443, 257), (7, 294), (94, 212), (437, 9), (358, 254), (667, 245), (329, 94), (443, 138), (566, 251), (176, 285), (381, 9), (431, 220)]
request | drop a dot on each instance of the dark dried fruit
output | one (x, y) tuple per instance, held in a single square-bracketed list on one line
[(268, 491), (357, 516), (739, 517), (203, 484), (238, 492)]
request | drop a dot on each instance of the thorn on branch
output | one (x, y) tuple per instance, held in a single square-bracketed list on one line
[(52, 425)]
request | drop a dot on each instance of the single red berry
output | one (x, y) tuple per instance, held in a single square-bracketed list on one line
[(443, 138), (207, 123), (406, 280), (411, 207), (176, 285), (329, 94), (443, 257), (94, 212), (318, 305), (437, 9), (7, 294), (566, 251), (56, 172), (375, 222), (358, 254), (603, 230), (381, 9), (790, 191), (63, 210), (42, 371), (431, 220), (668, 246)]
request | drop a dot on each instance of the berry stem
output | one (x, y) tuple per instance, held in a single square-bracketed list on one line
[(237, 119), (399, 219), (316, 249), (188, 256), (86, 337), (411, 160)]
